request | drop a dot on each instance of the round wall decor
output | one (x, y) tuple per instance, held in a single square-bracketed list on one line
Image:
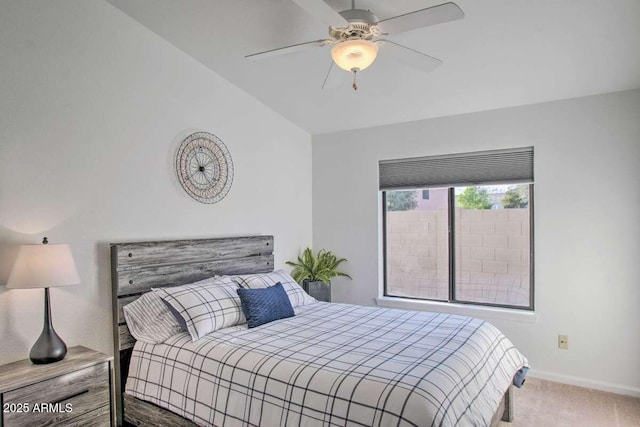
[(204, 167)]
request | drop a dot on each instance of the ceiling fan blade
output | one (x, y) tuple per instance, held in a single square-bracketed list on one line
[(288, 49), (410, 57), (335, 78), (421, 18), (323, 12)]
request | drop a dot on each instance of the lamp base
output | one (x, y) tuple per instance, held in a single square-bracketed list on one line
[(49, 347)]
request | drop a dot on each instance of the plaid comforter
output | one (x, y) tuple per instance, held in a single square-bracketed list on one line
[(332, 365)]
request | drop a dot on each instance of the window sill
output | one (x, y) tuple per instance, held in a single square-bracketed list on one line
[(461, 309)]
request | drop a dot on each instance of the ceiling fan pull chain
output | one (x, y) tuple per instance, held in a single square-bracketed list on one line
[(355, 83)]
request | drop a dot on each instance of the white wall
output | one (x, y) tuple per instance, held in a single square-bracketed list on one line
[(92, 108), (587, 216)]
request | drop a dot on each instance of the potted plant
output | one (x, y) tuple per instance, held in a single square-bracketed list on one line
[(314, 272)]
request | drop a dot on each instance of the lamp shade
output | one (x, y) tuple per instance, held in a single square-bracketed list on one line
[(43, 266), (354, 55)]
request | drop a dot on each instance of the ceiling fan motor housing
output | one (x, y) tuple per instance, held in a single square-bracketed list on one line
[(360, 16), (362, 25)]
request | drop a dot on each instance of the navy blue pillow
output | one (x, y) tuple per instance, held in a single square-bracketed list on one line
[(265, 305)]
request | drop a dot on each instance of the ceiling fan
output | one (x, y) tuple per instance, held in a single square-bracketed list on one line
[(356, 35)]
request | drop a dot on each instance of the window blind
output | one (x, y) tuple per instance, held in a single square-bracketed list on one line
[(461, 169)]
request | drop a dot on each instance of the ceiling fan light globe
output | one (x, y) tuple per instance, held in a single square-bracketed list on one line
[(355, 55)]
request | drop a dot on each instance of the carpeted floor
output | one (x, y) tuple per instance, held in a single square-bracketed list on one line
[(547, 404)]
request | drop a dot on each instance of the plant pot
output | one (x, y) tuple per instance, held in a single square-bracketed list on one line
[(319, 290)]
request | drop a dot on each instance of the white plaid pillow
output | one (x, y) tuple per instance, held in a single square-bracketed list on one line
[(296, 294), (150, 320), (205, 307)]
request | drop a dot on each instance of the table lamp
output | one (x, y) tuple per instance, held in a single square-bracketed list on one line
[(43, 266)]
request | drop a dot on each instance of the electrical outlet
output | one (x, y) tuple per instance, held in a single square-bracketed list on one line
[(563, 342)]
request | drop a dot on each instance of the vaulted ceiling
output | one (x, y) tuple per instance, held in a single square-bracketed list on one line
[(503, 53)]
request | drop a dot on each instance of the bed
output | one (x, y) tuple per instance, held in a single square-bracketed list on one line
[(330, 364)]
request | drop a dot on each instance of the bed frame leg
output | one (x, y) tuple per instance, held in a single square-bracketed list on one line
[(507, 415)]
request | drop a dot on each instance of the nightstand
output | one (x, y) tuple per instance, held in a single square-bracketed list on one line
[(75, 391)]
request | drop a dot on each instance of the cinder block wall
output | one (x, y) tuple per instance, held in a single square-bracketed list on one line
[(492, 255)]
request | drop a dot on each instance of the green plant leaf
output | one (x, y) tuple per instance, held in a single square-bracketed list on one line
[(322, 266)]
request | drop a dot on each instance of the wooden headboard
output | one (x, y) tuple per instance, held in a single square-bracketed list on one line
[(137, 267)]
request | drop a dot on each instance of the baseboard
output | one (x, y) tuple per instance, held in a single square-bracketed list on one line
[(582, 382)]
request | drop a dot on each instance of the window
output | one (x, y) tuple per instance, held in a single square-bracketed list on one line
[(425, 194), (466, 243), (417, 245)]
